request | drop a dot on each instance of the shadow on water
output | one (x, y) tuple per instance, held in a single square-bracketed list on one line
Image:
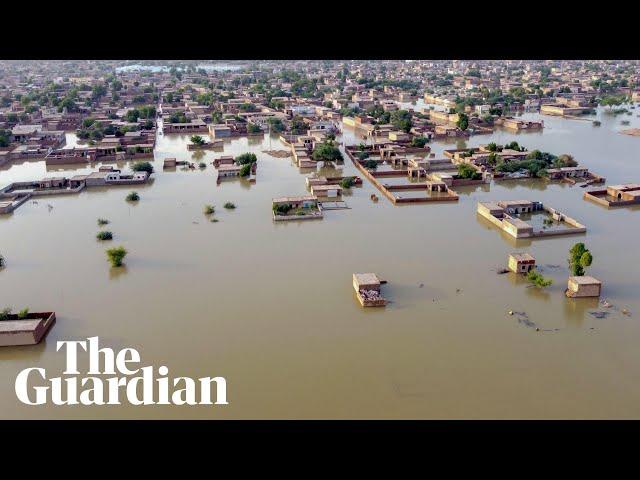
[(198, 155), (471, 189), (530, 183), (575, 309), (19, 352)]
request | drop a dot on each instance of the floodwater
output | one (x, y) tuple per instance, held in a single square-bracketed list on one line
[(270, 306)]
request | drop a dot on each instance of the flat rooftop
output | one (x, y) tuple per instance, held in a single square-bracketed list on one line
[(366, 278), (17, 326), (295, 199), (585, 280), (522, 257)]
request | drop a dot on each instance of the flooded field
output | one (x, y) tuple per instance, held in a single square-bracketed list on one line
[(270, 306)]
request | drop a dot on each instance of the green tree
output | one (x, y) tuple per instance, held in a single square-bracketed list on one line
[(613, 100), (276, 125), (515, 146), (142, 167), (465, 170), (370, 164), (347, 182), (463, 121), (565, 160), (245, 171), (579, 259), (419, 141), (298, 127), (253, 128), (401, 119), (327, 152), (197, 140), (246, 159), (132, 115)]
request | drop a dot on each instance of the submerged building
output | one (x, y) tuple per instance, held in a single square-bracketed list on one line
[(518, 219)]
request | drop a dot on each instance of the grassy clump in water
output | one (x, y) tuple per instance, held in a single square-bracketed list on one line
[(104, 235), (116, 256)]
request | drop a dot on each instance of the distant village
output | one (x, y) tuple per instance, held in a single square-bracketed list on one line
[(100, 116)]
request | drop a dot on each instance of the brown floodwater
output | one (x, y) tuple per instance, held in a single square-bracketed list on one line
[(270, 306)]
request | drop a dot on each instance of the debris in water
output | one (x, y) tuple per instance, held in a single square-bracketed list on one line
[(605, 304), (523, 318), (626, 312), (458, 290), (278, 153), (527, 323), (598, 314), (421, 285), (502, 270), (549, 265)]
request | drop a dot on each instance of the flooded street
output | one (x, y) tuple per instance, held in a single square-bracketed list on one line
[(270, 306)]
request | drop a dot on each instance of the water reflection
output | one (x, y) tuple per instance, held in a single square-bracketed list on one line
[(116, 272), (576, 309)]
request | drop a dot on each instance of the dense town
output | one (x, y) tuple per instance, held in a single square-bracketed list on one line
[(106, 118)]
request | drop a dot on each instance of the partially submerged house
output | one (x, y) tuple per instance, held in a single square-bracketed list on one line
[(326, 190), (304, 207), (506, 215), (521, 262), (28, 330), (616, 195), (583, 286), (367, 288)]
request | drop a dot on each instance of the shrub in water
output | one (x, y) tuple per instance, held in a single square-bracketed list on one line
[(538, 280), (142, 167), (116, 255), (104, 235)]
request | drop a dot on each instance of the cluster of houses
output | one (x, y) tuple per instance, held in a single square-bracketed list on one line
[(117, 115), (577, 286), (415, 179), (17, 193)]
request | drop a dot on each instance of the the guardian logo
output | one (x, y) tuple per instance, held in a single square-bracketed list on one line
[(113, 378)]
